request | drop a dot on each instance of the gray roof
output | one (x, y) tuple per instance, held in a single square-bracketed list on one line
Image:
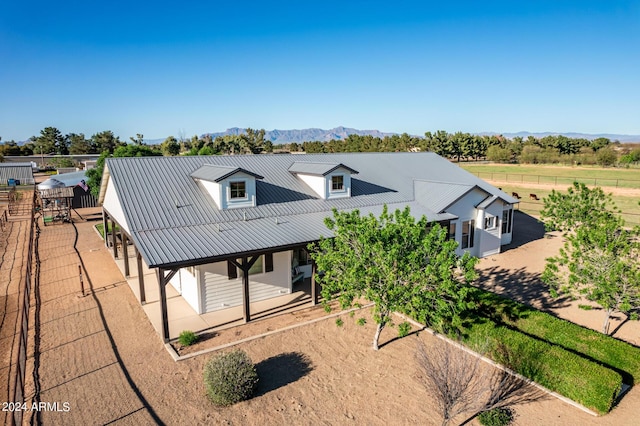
[(440, 194), (321, 169), (20, 171), (215, 173), (64, 179), (174, 221)]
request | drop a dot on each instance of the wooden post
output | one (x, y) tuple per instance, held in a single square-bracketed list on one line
[(163, 305), (314, 289), (81, 281), (143, 298), (125, 254), (105, 228), (113, 239)]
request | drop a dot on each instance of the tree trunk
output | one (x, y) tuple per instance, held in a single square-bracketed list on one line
[(607, 318), (377, 336)]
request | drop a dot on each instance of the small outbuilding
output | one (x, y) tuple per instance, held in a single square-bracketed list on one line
[(15, 174)]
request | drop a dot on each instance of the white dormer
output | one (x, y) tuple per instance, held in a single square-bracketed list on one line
[(328, 180), (230, 187)]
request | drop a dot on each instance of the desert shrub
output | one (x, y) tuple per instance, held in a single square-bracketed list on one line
[(230, 377), (496, 417), (404, 329), (187, 338)]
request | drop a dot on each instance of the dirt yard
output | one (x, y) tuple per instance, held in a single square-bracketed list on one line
[(101, 355)]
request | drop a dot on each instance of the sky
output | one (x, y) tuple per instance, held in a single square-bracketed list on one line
[(191, 67)]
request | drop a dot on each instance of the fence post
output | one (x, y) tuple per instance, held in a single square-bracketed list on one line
[(81, 281)]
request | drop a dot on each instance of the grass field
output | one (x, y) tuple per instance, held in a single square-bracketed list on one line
[(518, 176), (561, 175)]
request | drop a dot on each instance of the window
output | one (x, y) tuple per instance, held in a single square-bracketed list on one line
[(468, 233), (238, 190), (300, 257), (452, 231), (490, 222), (507, 216), (337, 183)]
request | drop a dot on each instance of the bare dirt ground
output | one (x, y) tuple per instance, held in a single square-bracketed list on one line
[(101, 355), (626, 192)]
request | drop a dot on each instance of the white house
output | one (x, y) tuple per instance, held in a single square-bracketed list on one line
[(226, 230)]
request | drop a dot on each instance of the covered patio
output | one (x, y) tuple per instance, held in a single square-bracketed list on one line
[(171, 314)]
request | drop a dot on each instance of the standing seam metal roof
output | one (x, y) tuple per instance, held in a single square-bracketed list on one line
[(173, 220)]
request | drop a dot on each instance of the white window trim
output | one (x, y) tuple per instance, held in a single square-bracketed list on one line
[(238, 199), (337, 191)]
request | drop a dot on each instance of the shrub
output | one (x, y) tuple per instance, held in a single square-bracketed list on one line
[(339, 322), (230, 377), (404, 329), (496, 417), (187, 338)]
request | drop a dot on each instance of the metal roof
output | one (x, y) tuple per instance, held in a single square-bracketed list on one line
[(214, 173), (21, 171), (64, 179), (321, 169), (440, 195), (173, 220)]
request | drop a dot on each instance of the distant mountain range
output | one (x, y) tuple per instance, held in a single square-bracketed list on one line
[(305, 135), (340, 133)]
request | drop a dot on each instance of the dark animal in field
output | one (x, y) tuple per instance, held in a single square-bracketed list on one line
[(515, 195), (534, 197)]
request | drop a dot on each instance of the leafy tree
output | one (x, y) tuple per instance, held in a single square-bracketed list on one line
[(606, 157), (106, 141), (600, 259), (138, 140), (495, 153), (50, 141), (170, 146), (78, 144), (10, 148), (396, 262)]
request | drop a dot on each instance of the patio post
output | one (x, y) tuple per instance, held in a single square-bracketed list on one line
[(143, 298), (113, 238), (105, 228), (125, 254), (314, 289), (162, 282)]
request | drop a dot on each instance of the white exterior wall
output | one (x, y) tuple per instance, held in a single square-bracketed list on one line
[(221, 191), (507, 237), (214, 190), (316, 183), (465, 210), (490, 239), (219, 292), (187, 285), (112, 205), (344, 193)]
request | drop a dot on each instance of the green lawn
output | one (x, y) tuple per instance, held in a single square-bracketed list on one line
[(624, 178), (100, 228)]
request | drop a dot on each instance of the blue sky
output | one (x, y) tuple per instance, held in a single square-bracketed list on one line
[(184, 68)]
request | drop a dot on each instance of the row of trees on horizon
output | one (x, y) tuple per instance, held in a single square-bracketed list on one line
[(458, 146)]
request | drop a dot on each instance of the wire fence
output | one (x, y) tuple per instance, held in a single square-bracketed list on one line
[(535, 207), (557, 180), (19, 374)]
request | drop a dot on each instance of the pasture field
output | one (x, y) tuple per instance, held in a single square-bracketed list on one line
[(556, 175)]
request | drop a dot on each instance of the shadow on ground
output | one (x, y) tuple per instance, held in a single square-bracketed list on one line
[(526, 229), (521, 285), (280, 370)]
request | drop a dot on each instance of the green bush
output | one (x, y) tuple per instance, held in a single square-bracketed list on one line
[(187, 338), (230, 377), (496, 417)]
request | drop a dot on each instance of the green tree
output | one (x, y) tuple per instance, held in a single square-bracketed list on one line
[(50, 141), (606, 156), (78, 144), (600, 259), (170, 146), (396, 262), (106, 141), (138, 140)]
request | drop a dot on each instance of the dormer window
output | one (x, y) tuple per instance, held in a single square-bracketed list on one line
[(238, 190), (337, 183), (328, 180)]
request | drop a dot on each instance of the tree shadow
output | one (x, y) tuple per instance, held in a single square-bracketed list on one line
[(520, 285), (280, 370), (526, 229)]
